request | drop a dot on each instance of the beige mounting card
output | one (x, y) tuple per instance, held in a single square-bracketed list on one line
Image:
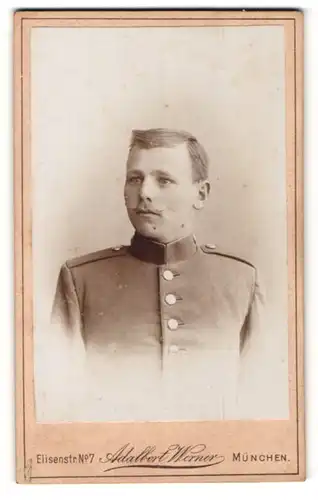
[(158, 179)]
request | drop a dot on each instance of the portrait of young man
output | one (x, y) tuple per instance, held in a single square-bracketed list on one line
[(168, 311), (159, 224)]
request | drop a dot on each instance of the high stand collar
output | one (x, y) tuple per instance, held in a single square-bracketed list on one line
[(162, 253)]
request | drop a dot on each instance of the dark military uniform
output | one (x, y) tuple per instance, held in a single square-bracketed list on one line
[(167, 318)]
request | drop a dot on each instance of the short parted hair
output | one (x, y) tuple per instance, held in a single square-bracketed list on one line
[(168, 138)]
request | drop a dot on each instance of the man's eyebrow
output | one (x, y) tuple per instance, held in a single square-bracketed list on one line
[(134, 171), (164, 173)]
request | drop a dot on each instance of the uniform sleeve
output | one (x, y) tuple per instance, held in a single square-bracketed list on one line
[(60, 358), (251, 367), (66, 308), (252, 326)]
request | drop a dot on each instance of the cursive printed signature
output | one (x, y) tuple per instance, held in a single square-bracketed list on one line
[(176, 456)]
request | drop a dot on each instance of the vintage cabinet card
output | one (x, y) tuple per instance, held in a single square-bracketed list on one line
[(159, 246)]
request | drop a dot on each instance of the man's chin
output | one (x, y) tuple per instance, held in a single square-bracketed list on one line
[(149, 230), (151, 233)]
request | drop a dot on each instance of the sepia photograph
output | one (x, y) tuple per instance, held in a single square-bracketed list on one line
[(160, 195), (164, 123)]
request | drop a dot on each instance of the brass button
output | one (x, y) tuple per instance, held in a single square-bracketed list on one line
[(168, 275), (170, 299), (173, 324)]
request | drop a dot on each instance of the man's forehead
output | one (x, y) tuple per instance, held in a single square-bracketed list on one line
[(161, 157)]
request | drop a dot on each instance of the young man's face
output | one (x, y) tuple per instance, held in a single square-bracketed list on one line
[(160, 194)]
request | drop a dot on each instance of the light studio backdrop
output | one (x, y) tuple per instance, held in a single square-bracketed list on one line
[(225, 85)]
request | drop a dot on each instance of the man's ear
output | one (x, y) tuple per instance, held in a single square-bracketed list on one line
[(204, 190), (203, 193)]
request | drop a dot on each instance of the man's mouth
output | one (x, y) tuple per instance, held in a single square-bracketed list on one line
[(146, 211)]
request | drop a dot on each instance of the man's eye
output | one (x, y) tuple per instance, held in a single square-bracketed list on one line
[(164, 181), (134, 180)]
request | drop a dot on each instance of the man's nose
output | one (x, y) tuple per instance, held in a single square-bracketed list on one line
[(147, 189)]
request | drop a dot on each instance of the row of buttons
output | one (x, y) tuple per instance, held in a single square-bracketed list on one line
[(170, 299)]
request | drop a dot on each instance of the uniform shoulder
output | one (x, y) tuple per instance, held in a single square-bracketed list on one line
[(214, 250), (106, 253)]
